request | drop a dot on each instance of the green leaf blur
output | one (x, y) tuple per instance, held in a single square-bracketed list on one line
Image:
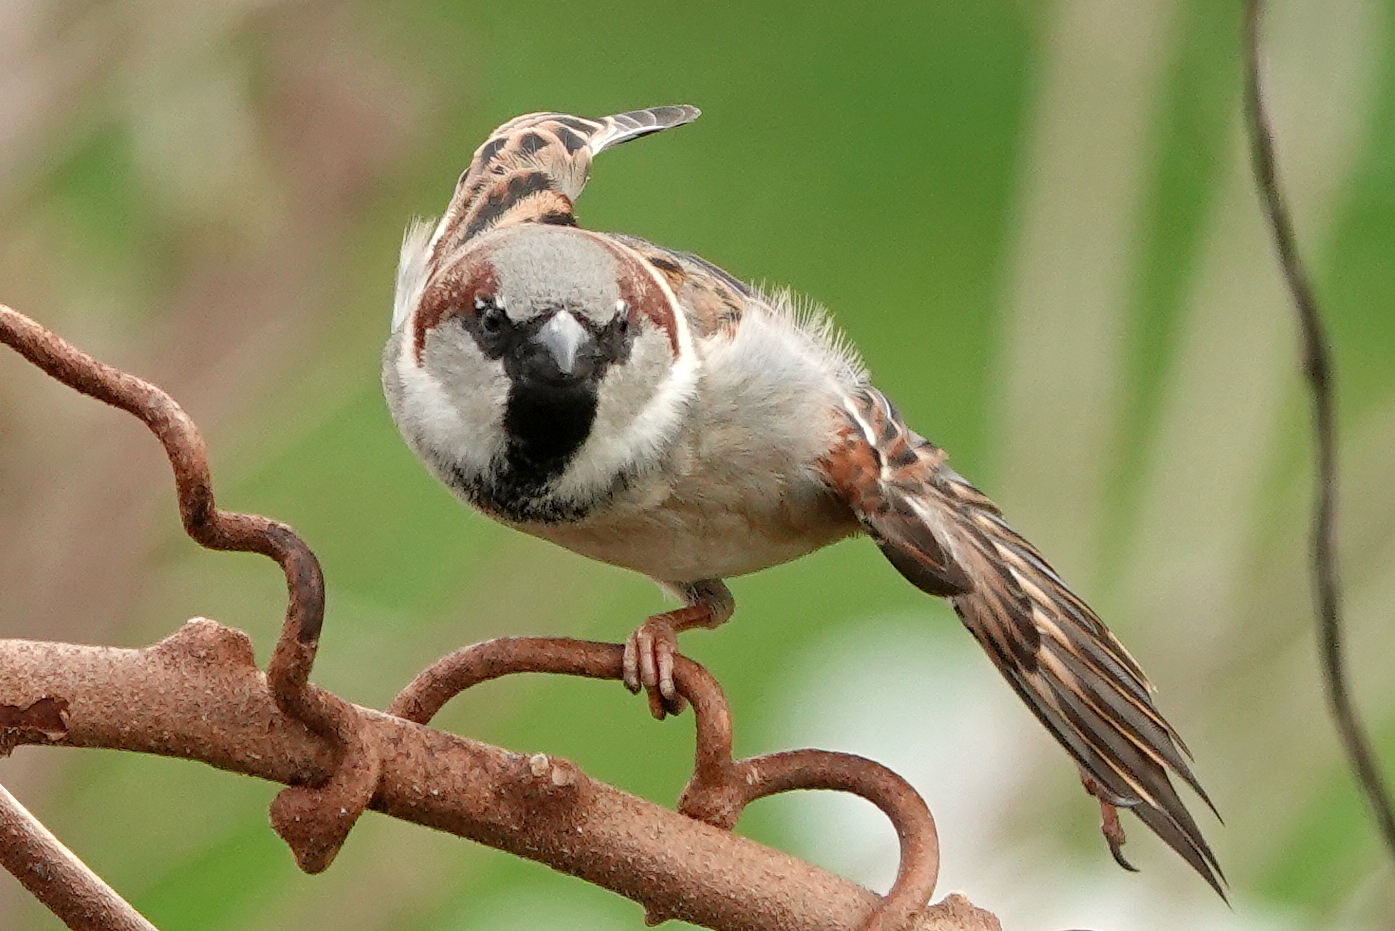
[(216, 200)]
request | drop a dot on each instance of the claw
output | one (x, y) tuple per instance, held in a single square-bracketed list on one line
[(1113, 833), (657, 708), (650, 642), (630, 666), (652, 648), (1110, 827), (648, 664), (664, 657)]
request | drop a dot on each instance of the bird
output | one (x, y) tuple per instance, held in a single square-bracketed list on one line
[(642, 407)]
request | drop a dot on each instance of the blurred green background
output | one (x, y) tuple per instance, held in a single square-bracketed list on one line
[(1034, 219)]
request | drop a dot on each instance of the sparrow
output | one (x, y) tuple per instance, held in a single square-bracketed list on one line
[(642, 407)]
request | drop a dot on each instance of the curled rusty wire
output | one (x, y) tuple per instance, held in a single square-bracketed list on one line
[(720, 787), (314, 820)]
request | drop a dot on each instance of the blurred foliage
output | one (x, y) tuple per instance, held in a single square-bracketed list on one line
[(213, 195)]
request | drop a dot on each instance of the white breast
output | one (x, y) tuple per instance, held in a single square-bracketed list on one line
[(739, 488)]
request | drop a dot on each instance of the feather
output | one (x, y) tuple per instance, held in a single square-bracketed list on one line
[(534, 167), (412, 271), (947, 538)]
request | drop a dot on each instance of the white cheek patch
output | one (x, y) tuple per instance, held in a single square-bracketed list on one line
[(636, 421), (452, 406), (641, 408)]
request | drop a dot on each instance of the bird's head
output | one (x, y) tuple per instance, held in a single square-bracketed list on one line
[(537, 368)]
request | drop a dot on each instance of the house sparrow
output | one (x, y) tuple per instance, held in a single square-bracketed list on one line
[(640, 406)]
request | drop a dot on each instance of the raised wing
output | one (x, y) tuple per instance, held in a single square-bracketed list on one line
[(948, 539), (533, 168)]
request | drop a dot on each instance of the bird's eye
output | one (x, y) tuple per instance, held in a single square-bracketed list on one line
[(622, 317), (491, 316)]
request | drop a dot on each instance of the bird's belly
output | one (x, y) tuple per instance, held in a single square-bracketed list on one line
[(711, 533)]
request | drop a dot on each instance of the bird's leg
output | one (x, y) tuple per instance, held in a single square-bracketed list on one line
[(1110, 827), (649, 651)]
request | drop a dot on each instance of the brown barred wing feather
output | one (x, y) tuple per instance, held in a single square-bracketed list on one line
[(713, 298), (949, 539)]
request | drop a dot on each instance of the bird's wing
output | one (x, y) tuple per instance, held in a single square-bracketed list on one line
[(532, 169), (713, 298), (949, 539)]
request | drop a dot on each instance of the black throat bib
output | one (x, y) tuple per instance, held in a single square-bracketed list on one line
[(545, 426)]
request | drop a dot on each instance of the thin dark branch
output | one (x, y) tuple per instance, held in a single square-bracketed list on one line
[(1317, 368), (56, 876)]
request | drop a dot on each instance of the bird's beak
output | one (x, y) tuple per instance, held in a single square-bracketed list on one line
[(563, 338)]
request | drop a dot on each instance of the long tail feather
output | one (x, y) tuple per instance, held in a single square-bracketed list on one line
[(947, 538)]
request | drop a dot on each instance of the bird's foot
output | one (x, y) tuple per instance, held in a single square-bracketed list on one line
[(651, 649), (1110, 827), (1113, 833), (649, 654)]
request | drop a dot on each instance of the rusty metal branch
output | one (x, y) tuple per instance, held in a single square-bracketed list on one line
[(198, 695), (1318, 371), (313, 820), (56, 876), (720, 788)]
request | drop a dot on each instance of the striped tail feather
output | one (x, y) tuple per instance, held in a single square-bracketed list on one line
[(947, 538), (1079, 681), (534, 167)]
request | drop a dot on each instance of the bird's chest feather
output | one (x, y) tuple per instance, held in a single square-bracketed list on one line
[(738, 488), (728, 482), (710, 513)]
